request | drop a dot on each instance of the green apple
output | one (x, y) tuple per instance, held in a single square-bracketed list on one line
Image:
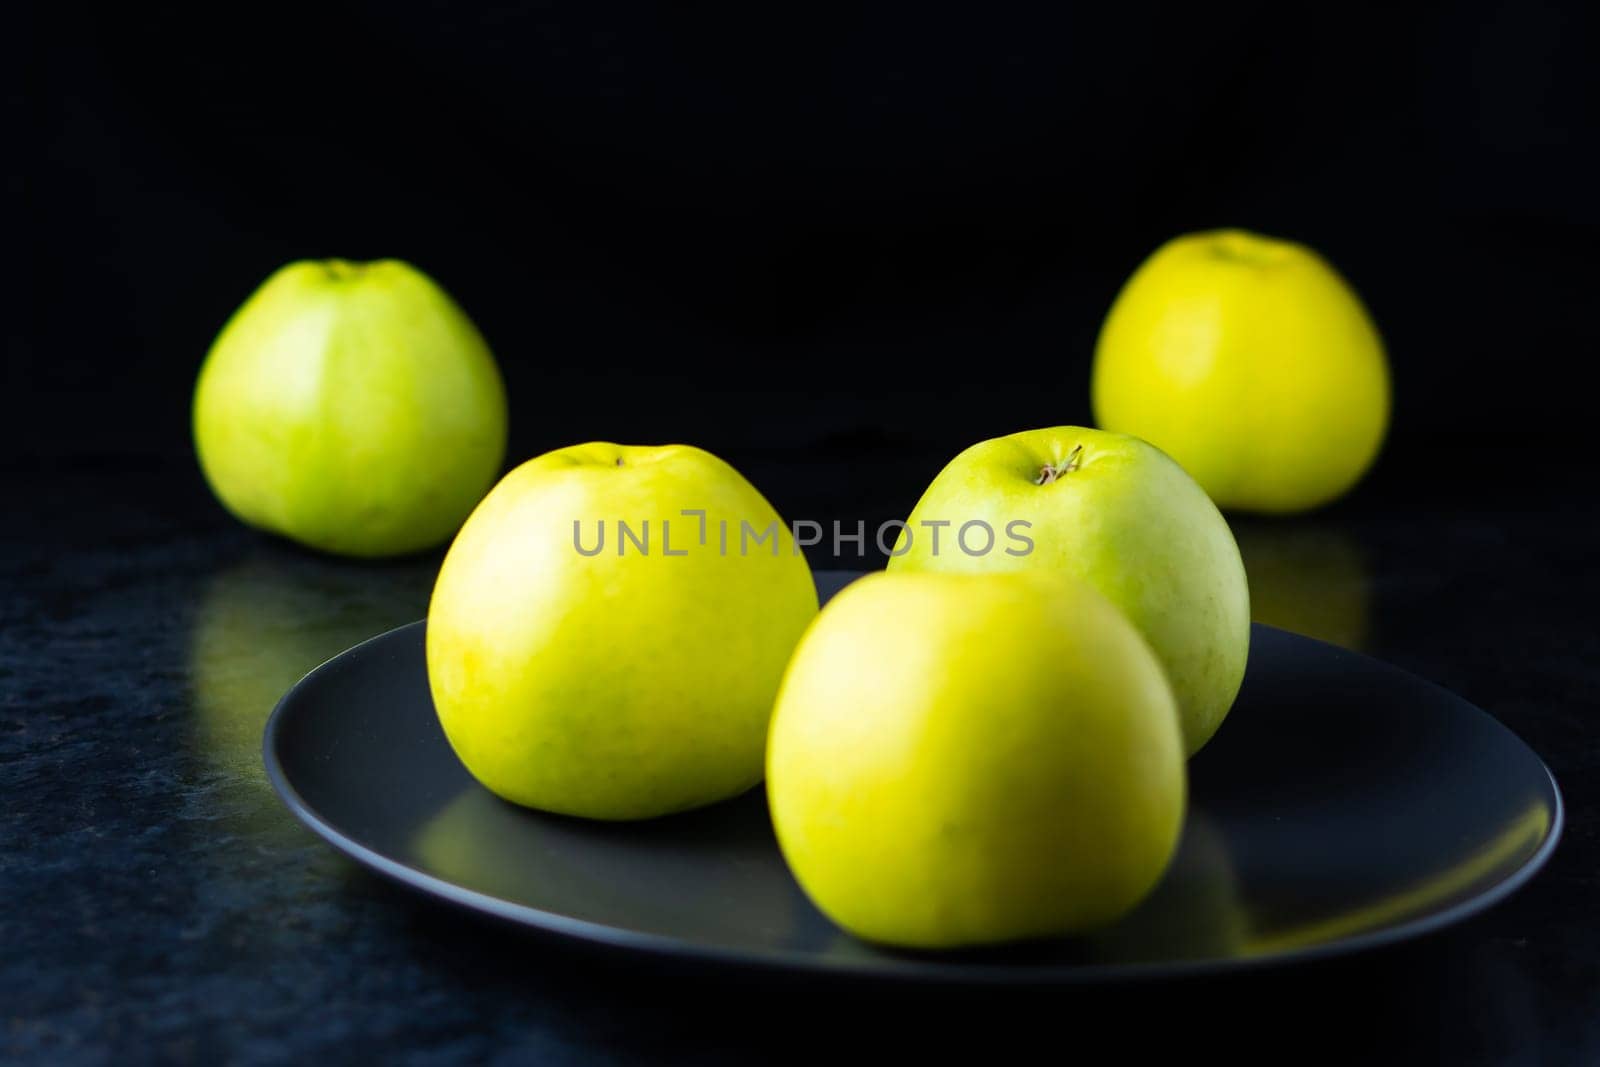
[(609, 628), (962, 759), (1250, 361), (352, 407), (1117, 513)]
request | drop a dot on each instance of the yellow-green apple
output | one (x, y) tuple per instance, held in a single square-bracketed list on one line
[(609, 628), (1251, 362), (352, 407), (1112, 511), (961, 759)]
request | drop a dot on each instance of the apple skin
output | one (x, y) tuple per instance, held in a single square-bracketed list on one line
[(961, 759), (1127, 520), (1252, 363), (614, 686), (351, 407)]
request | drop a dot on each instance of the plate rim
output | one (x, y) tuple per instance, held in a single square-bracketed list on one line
[(929, 968)]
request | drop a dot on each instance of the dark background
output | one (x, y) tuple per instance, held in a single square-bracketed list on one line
[(835, 244), (864, 237)]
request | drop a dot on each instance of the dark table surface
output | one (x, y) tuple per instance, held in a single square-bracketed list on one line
[(157, 902)]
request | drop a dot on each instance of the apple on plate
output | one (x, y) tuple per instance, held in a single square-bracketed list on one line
[(963, 759), (352, 407), (609, 628), (1118, 514), (1250, 361)]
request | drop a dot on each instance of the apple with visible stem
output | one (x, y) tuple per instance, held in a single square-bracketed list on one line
[(352, 407), (1119, 514), (608, 630), (963, 759)]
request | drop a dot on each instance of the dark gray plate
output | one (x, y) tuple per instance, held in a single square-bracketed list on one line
[(1344, 804)]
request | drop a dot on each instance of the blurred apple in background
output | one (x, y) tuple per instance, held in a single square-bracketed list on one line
[(580, 672), (1112, 511), (352, 407), (1252, 363)]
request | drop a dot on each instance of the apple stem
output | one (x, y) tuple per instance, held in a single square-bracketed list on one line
[(1050, 472)]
